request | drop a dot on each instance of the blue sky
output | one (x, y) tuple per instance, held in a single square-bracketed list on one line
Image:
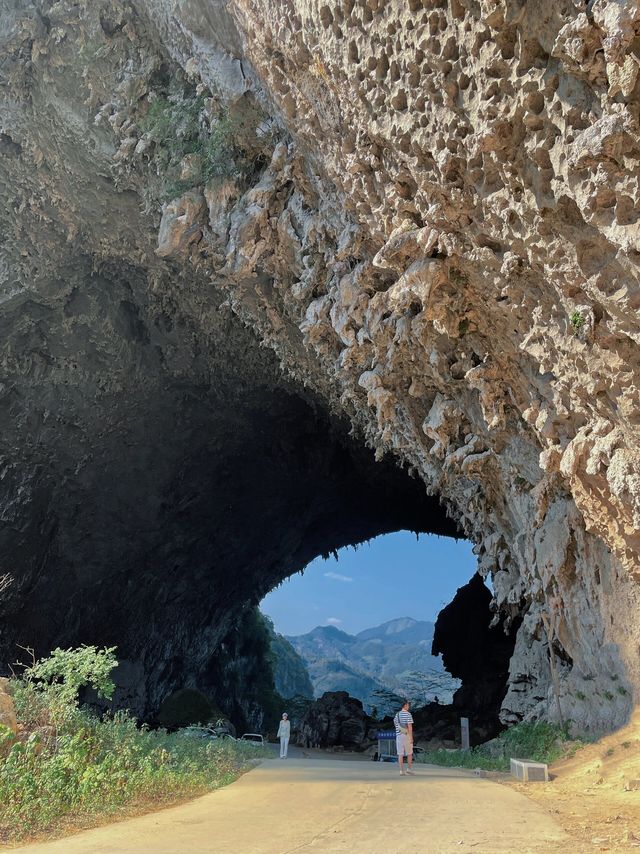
[(392, 576)]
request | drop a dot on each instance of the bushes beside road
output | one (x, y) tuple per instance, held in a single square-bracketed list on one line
[(538, 741), (67, 767)]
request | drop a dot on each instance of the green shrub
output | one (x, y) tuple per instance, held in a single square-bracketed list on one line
[(65, 671), (70, 765), (99, 766), (226, 143), (474, 758), (577, 322), (47, 692), (539, 741), (174, 126)]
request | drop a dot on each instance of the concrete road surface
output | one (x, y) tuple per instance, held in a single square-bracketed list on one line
[(314, 805)]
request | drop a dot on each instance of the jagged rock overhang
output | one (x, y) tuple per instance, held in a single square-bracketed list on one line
[(463, 294), (162, 478)]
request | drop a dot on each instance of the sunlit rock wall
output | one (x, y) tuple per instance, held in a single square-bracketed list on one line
[(442, 242)]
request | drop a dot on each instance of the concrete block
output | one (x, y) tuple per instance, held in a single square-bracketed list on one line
[(529, 772)]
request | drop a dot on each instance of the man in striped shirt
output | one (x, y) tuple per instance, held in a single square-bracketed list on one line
[(403, 723)]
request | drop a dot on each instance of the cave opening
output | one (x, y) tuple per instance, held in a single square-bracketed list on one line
[(179, 524), (393, 575), (379, 621), (157, 494)]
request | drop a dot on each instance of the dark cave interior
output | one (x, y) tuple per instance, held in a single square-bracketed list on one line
[(160, 479)]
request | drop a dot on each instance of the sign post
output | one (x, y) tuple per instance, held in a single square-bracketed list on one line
[(464, 731)]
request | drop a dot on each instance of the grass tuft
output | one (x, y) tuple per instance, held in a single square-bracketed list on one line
[(230, 144), (577, 321), (539, 741)]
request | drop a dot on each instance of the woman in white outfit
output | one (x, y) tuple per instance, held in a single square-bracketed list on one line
[(284, 732)]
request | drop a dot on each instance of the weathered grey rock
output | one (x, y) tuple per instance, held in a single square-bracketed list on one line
[(181, 225), (335, 720), (439, 245)]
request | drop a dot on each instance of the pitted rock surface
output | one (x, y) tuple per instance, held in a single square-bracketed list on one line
[(439, 242)]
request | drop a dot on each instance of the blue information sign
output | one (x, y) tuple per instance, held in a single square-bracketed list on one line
[(384, 734)]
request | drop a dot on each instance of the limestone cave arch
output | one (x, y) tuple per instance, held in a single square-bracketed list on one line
[(148, 504), (410, 269)]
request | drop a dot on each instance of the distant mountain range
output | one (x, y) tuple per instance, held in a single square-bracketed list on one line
[(392, 658)]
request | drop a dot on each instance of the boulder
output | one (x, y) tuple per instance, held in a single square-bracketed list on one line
[(336, 719)]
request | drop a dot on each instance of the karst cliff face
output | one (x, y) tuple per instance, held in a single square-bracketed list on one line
[(425, 212)]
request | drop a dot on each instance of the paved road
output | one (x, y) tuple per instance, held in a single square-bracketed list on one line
[(323, 805)]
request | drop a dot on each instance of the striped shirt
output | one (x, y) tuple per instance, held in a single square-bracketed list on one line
[(402, 719)]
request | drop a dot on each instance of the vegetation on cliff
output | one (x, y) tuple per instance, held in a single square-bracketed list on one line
[(289, 670), (67, 767), (196, 140), (243, 676)]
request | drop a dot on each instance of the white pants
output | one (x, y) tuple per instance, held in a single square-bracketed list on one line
[(284, 746), (404, 746)]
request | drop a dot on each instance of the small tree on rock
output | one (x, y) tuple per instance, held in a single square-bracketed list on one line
[(54, 682)]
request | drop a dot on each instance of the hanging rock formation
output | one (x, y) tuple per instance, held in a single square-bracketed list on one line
[(431, 223), (476, 653)]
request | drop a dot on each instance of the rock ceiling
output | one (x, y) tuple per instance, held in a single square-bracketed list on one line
[(434, 237)]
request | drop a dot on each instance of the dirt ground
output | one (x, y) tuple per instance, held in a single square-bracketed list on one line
[(592, 795)]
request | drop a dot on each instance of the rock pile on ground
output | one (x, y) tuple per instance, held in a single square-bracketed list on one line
[(336, 719)]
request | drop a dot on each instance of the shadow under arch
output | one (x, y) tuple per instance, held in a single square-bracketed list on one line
[(162, 491)]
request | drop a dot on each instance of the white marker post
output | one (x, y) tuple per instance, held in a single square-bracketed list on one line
[(464, 731)]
